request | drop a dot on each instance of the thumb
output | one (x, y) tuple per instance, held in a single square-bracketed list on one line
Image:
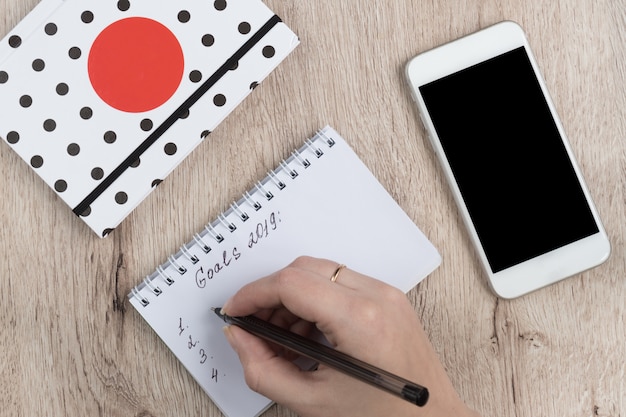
[(266, 372)]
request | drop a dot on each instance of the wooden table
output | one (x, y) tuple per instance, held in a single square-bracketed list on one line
[(73, 346)]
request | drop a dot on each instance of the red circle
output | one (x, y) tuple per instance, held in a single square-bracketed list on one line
[(135, 64)]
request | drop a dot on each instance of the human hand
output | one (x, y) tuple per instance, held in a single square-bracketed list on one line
[(359, 316)]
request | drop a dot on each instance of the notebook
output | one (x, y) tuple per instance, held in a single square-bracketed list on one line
[(320, 201), (104, 98)]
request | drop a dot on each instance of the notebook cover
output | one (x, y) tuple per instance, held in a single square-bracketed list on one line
[(104, 98)]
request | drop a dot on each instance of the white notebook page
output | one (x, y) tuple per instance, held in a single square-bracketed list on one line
[(334, 209)]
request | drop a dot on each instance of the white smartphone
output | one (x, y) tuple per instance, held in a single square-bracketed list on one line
[(504, 152)]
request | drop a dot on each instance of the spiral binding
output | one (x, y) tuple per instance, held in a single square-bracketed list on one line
[(161, 273), (212, 235), (190, 256), (211, 232), (200, 242), (289, 170), (243, 216), (303, 161), (277, 182), (254, 204), (268, 195), (229, 225), (155, 289)]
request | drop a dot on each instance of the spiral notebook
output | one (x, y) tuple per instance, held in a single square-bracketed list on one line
[(321, 201)]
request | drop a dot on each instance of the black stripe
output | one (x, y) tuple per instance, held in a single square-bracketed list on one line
[(159, 131)]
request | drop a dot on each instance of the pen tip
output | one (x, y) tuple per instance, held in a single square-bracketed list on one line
[(218, 312)]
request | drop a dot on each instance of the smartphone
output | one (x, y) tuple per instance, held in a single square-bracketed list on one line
[(503, 149)]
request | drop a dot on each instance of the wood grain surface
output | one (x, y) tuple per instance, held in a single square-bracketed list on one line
[(71, 344)]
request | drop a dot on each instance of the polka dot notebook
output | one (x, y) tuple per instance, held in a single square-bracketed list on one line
[(103, 99), (321, 201)]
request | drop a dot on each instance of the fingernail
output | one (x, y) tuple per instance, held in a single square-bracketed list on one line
[(224, 309), (229, 336)]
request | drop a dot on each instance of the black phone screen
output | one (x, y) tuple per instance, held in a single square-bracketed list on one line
[(508, 159)]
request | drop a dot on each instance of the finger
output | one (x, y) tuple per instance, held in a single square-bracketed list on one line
[(322, 302), (285, 319), (282, 317), (301, 292), (266, 292), (307, 294), (265, 372)]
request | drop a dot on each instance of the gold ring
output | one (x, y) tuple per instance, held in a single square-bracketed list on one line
[(337, 271)]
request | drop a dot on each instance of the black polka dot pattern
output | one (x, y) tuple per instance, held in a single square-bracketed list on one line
[(54, 68), (13, 137), (86, 113), (60, 186), (73, 149), (15, 41), (170, 148), (269, 51), (51, 29), (87, 16), (219, 100), (219, 4), (244, 28), (97, 173), (36, 161), (208, 40), (195, 76), (39, 65), (146, 125), (110, 137), (123, 5), (184, 16), (49, 125), (121, 197), (62, 89), (75, 52), (26, 101)]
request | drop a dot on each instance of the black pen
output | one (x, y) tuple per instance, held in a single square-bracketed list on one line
[(410, 391)]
